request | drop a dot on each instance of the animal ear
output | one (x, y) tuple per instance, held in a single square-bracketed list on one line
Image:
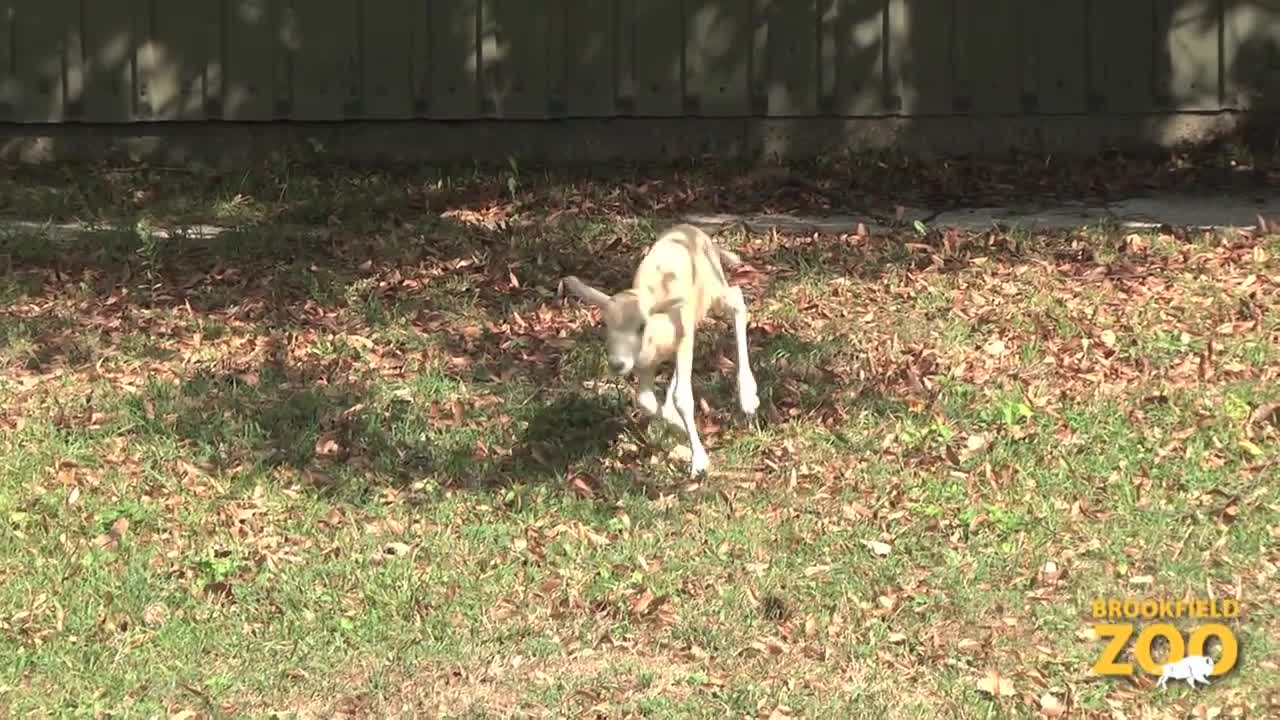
[(585, 291), (666, 306)]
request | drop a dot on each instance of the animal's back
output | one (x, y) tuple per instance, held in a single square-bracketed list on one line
[(684, 259)]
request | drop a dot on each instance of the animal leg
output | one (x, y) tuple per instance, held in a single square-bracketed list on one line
[(669, 412), (684, 401), (645, 397), (748, 399)]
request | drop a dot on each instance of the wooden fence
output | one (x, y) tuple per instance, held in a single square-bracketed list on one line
[(121, 61)]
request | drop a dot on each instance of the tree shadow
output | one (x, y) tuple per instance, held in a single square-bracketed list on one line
[(562, 435), (463, 285), (287, 279)]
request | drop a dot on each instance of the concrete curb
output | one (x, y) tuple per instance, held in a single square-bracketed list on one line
[(1222, 212)]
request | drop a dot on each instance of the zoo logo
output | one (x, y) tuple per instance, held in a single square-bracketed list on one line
[(1187, 659)]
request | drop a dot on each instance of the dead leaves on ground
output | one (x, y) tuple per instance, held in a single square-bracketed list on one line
[(111, 539)]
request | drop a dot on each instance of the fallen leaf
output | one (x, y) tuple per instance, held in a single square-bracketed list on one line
[(155, 614), (816, 570), (995, 346), (395, 549), (856, 511), (327, 447), (996, 684), (1249, 447), (111, 539), (581, 487), (1050, 707), (641, 603), (1049, 573), (1203, 711), (897, 637), (1141, 580), (879, 548), (968, 645), (973, 445)]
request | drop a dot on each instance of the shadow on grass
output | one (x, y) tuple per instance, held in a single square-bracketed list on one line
[(453, 288), (562, 436), (947, 250), (439, 278), (296, 187), (347, 438)]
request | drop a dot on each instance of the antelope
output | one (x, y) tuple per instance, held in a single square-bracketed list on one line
[(678, 282)]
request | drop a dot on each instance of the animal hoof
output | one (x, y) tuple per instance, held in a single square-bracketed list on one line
[(648, 402), (748, 400), (700, 465)]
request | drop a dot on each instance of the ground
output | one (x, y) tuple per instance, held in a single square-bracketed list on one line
[(356, 455)]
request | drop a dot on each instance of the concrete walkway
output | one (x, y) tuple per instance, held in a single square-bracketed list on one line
[(1188, 211), (1191, 211)]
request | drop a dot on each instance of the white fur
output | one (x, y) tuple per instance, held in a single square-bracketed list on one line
[(680, 280), (1192, 668)]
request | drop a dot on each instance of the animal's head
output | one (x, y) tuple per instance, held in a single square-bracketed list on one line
[(1206, 664), (627, 323)]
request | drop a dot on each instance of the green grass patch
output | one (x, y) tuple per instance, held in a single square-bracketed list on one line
[(371, 473)]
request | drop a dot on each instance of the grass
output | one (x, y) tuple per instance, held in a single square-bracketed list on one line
[(376, 469)]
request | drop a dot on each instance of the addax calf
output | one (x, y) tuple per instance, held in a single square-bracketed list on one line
[(678, 282)]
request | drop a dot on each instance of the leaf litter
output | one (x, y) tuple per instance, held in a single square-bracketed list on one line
[(1080, 340)]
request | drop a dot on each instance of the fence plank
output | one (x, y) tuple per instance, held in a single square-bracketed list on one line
[(717, 53), (553, 60), (828, 12), (895, 36), (394, 66), (1124, 30), (592, 46), (252, 64), (111, 32), (1094, 56), (177, 67), (336, 59), (790, 73), (514, 78), (860, 45), (1057, 50), (988, 46), (658, 53), (1251, 49), (922, 54), (455, 90), (1186, 51), (8, 83), (326, 70), (45, 49)]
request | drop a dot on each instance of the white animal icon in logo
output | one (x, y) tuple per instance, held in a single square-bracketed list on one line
[(1192, 668)]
